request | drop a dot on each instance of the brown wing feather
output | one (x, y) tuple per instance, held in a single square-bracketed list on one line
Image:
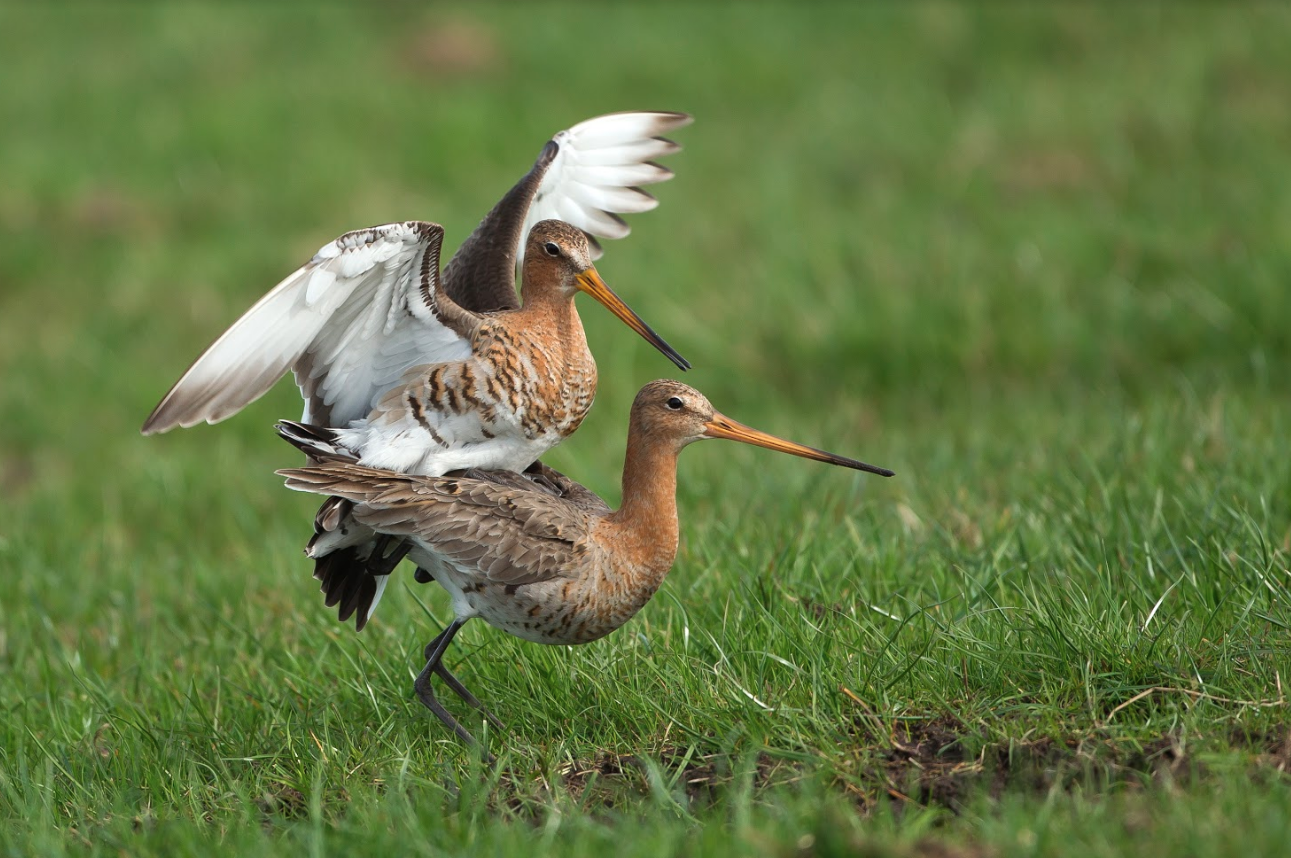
[(481, 275), (511, 534), (580, 496), (540, 477)]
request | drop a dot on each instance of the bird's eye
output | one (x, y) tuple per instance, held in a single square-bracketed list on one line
[(552, 248), (675, 404)]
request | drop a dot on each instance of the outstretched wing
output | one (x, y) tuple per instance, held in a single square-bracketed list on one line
[(349, 323), (507, 533), (586, 176)]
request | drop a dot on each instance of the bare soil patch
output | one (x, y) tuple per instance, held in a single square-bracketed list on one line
[(933, 763)]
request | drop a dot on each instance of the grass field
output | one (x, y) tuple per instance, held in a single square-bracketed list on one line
[(1036, 263)]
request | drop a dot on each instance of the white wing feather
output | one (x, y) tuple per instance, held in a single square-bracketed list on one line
[(593, 177), (349, 322)]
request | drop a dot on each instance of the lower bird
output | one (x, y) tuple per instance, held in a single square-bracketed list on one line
[(538, 555)]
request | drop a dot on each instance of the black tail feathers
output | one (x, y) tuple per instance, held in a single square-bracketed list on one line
[(317, 442)]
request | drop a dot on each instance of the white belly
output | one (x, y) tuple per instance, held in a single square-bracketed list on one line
[(460, 441)]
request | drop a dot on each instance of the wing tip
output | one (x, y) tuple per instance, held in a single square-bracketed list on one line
[(648, 201), (628, 126), (664, 174), (670, 147), (171, 413), (676, 119), (162, 420), (666, 119)]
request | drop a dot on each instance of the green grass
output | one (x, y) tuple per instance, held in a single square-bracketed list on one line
[(1035, 262)]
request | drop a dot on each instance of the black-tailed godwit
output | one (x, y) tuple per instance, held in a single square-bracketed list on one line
[(544, 558)]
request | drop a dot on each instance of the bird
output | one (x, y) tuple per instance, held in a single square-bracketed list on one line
[(537, 555), (348, 323), (378, 339), (526, 383)]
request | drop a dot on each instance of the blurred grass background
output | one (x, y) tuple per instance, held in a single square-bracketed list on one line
[(1035, 260)]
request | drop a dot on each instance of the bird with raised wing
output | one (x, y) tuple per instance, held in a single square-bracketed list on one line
[(423, 372), (526, 384), (539, 556), (352, 321)]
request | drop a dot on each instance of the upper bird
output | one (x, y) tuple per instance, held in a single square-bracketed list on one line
[(355, 318), (546, 561)]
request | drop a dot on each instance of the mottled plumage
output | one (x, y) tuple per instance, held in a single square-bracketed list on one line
[(527, 383), (543, 558), (426, 373), (350, 322)]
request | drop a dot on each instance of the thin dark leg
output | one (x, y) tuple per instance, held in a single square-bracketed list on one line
[(434, 655), (380, 563), (471, 700)]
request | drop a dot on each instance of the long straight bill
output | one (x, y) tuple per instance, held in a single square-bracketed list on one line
[(722, 426), (591, 283)]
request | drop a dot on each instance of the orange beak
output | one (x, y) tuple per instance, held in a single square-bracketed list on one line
[(591, 283), (722, 426)]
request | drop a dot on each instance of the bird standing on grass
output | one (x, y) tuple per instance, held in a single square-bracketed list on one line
[(425, 373), (526, 384), (544, 559)]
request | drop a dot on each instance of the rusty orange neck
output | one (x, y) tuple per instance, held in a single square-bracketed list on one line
[(549, 325), (645, 524), (545, 306)]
